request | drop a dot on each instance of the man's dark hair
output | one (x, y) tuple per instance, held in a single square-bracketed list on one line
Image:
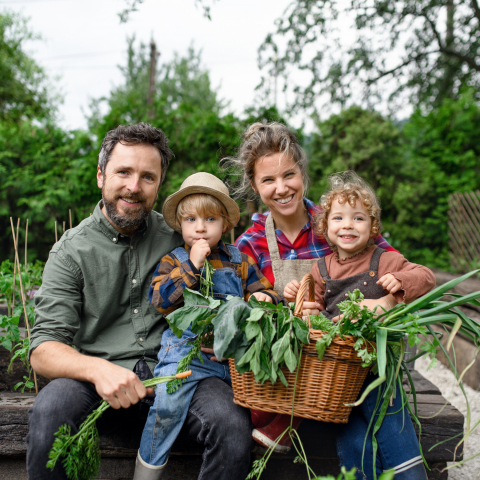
[(137, 134)]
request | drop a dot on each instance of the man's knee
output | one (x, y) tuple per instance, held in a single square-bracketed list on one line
[(224, 420)]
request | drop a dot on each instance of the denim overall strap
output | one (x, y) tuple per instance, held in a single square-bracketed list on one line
[(181, 254), (235, 253)]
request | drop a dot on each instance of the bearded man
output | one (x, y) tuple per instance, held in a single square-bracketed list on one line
[(96, 334)]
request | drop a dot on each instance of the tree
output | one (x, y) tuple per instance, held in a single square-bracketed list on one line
[(23, 89), (411, 50), (363, 141), (185, 107)]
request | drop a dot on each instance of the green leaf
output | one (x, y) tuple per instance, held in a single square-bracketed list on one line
[(255, 364), (279, 347), (302, 331), (290, 360), (192, 297), (268, 330), (281, 376), (321, 346), (256, 314), (247, 357), (230, 317), (252, 330), (382, 351), (180, 319)]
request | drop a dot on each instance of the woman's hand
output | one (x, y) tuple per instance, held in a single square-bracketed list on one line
[(291, 290), (310, 308), (262, 297)]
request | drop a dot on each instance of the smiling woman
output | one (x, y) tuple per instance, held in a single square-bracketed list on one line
[(283, 241)]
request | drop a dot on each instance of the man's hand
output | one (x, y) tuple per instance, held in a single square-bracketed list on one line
[(199, 252), (120, 387), (117, 385), (262, 297), (390, 283), (291, 290), (211, 352)]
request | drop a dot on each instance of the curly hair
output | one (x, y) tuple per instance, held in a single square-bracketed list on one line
[(348, 187), (261, 140)]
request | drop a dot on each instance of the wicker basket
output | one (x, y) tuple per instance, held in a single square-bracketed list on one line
[(323, 387)]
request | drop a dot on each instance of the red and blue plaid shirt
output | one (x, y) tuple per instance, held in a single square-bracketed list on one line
[(306, 246)]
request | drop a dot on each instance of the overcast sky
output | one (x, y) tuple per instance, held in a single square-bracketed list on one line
[(83, 42)]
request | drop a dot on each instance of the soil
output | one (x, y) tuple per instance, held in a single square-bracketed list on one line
[(9, 380)]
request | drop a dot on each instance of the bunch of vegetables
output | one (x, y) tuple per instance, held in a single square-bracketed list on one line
[(260, 336), (80, 453)]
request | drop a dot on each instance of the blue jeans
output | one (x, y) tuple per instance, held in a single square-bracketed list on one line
[(211, 419), (167, 415), (397, 442)]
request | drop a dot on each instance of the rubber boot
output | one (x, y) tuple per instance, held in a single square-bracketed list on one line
[(262, 419), (266, 436), (145, 471)]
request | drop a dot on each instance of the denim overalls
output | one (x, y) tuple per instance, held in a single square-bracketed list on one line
[(168, 413), (397, 443)]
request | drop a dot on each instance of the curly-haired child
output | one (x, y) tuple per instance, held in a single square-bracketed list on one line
[(350, 220)]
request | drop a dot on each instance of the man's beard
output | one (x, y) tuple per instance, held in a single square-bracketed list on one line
[(133, 217)]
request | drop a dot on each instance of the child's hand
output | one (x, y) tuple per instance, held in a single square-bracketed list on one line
[(390, 283), (262, 297), (291, 290), (199, 252)]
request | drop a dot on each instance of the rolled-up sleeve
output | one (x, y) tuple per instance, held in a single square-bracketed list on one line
[(58, 303)]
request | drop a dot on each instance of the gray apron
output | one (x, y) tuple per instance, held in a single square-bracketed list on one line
[(284, 271), (336, 290)]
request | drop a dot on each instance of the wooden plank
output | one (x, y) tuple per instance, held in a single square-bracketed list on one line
[(318, 437)]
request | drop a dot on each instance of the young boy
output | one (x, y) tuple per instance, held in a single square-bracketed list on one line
[(202, 211)]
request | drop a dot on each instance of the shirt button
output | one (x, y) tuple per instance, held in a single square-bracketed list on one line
[(141, 339), (134, 281), (135, 311), (114, 239), (131, 247)]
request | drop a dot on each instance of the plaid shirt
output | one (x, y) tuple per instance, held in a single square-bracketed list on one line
[(172, 277), (306, 246)]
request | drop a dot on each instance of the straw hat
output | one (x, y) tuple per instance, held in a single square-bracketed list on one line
[(200, 182)]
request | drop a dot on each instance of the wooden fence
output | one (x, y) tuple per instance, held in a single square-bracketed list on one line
[(464, 230)]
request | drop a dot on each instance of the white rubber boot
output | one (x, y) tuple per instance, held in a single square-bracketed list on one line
[(145, 471)]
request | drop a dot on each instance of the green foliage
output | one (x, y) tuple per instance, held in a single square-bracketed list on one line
[(442, 152), (23, 91), (396, 51), (80, 453), (10, 293)]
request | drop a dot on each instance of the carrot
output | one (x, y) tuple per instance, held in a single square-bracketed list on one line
[(183, 374)]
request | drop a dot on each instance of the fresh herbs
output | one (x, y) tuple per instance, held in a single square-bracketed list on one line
[(274, 337), (197, 313), (80, 452)]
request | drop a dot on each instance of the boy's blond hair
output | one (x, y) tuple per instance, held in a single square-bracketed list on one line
[(205, 205), (348, 187)]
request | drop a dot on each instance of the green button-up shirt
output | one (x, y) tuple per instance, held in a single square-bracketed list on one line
[(94, 294)]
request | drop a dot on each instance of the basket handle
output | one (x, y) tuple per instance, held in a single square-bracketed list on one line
[(307, 283)]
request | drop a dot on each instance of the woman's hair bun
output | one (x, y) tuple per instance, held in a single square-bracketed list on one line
[(253, 129)]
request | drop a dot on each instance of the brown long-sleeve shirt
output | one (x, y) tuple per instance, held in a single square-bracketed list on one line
[(416, 280)]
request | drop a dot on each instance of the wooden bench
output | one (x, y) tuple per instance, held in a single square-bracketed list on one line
[(119, 451)]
